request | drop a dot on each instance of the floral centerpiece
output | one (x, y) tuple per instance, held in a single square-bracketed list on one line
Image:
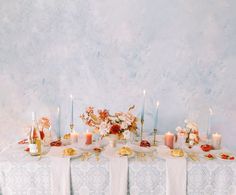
[(190, 131), (104, 123)]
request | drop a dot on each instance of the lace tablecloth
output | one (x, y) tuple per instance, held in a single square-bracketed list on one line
[(23, 174)]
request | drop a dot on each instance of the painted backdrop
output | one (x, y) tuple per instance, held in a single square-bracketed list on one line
[(105, 53)]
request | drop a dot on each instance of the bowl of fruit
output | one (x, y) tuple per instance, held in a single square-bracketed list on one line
[(206, 147)]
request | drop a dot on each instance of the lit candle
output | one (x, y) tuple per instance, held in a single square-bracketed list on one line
[(209, 123), (156, 116), (216, 141), (72, 110), (74, 137), (169, 140), (58, 122), (89, 138), (143, 107)]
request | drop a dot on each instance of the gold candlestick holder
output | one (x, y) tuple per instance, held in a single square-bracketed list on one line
[(154, 137), (71, 128), (141, 133)]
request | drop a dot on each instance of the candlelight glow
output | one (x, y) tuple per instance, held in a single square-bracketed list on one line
[(58, 109), (71, 96), (144, 92), (211, 112), (158, 103)]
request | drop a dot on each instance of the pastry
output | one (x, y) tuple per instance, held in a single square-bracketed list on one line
[(177, 152), (125, 151), (69, 152)]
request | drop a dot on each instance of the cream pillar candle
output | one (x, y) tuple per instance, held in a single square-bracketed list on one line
[(169, 140), (74, 137), (216, 141)]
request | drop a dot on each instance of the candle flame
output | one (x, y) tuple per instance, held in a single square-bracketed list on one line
[(211, 112), (58, 109), (71, 96), (144, 92), (158, 103)]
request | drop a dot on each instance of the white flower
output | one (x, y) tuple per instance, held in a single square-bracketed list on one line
[(126, 134), (124, 125), (178, 129), (191, 125), (122, 117), (104, 128), (192, 136)]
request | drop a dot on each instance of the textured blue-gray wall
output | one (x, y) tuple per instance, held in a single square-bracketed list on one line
[(183, 52)]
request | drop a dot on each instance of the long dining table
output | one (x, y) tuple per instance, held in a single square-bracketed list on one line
[(21, 174)]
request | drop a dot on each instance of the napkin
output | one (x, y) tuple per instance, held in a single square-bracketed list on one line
[(60, 177), (118, 175), (176, 176)]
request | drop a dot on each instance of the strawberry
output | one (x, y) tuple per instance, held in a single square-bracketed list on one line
[(224, 156), (209, 156), (231, 158)]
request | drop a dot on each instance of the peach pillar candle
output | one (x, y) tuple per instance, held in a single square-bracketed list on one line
[(89, 138), (216, 141), (169, 140)]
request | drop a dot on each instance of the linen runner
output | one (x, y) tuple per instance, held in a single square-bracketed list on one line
[(60, 174), (176, 176), (118, 175)]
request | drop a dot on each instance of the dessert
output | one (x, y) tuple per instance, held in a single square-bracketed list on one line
[(145, 143), (125, 151), (56, 143), (206, 147), (69, 152), (177, 152), (209, 156)]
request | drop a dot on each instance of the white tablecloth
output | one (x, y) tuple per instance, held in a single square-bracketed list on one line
[(23, 174)]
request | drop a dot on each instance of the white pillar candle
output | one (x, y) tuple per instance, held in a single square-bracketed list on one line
[(216, 141), (74, 137)]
